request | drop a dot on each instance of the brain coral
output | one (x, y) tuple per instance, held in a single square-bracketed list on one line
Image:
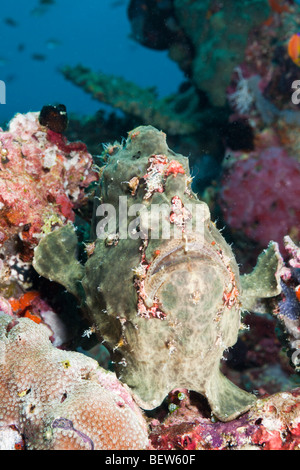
[(61, 400), (260, 196)]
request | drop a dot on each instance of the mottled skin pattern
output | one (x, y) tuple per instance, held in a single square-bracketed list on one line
[(166, 308)]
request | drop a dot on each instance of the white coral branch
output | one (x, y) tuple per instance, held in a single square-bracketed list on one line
[(242, 99)]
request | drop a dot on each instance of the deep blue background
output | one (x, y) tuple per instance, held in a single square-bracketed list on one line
[(95, 33)]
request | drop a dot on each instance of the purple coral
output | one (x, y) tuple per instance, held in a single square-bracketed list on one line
[(67, 424), (290, 305), (288, 308)]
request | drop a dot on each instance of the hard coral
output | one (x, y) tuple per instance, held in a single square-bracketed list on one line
[(218, 32), (176, 114), (58, 399), (260, 195), (207, 38), (42, 179)]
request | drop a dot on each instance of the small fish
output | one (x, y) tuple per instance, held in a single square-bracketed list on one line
[(47, 2), (42, 7), (39, 57), (10, 78), (39, 11), (21, 47), (10, 22), (294, 48), (52, 43)]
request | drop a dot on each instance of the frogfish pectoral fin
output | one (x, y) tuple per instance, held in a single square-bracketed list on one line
[(227, 401), (55, 258)]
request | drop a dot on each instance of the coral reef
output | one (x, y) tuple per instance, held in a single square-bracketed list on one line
[(224, 28), (155, 292), (180, 286), (207, 39), (265, 165), (31, 305), (154, 24), (287, 308), (166, 294), (207, 59), (175, 114), (56, 399), (272, 424), (260, 194), (42, 180), (256, 77)]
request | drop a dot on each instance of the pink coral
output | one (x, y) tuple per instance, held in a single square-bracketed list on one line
[(58, 399), (42, 176), (260, 195)]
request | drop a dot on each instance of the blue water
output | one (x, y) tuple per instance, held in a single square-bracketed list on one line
[(95, 33)]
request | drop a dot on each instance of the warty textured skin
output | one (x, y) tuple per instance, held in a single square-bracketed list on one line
[(166, 308)]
